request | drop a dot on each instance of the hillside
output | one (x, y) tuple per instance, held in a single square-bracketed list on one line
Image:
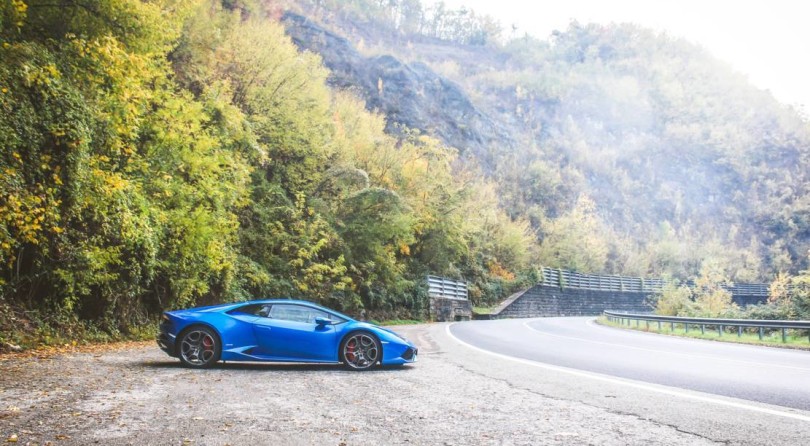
[(173, 153), (665, 153)]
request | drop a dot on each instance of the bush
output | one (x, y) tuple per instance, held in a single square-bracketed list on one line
[(674, 300)]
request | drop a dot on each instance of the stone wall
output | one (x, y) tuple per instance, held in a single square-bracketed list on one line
[(745, 301), (547, 301), (442, 310)]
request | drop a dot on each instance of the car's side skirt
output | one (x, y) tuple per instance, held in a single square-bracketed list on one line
[(239, 356)]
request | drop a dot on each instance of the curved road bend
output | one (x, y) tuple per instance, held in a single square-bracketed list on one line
[(768, 375)]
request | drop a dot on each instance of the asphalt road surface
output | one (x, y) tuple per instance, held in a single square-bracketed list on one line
[(768, 375)]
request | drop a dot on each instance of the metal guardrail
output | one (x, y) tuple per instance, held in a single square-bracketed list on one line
[(447, 288), (570, 279), (720, 324)]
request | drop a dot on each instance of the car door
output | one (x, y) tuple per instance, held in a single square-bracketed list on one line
[(289, 332)]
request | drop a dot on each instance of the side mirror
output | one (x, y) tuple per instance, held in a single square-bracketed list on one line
[(321, 321)]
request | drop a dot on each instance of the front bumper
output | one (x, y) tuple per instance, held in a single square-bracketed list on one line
[(398, 354), (410, 354)]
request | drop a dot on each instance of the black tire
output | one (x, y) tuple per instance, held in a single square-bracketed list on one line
[(199, 347), (360, 350)]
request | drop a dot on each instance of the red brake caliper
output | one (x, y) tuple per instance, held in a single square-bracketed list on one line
[(208, 343), (350, 350)]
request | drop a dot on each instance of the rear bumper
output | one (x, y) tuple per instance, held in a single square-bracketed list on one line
[(166, 343)]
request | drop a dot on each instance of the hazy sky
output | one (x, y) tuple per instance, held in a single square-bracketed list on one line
[(769, 41)]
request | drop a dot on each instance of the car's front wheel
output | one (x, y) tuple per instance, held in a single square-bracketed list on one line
[(360, 351), (199, 347)]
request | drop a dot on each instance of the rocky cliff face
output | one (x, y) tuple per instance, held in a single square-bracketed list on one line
[(410, 95)]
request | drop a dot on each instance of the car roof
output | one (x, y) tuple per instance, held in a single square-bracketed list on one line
[(233, 305), (278, 301)]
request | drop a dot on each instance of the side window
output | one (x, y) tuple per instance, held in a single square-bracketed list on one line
[(296, 313), (254, 309), (264, 311)]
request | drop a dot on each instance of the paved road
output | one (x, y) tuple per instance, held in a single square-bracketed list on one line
[(767, 375)]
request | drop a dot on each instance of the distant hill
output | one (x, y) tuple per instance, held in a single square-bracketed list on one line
[(681, 157)]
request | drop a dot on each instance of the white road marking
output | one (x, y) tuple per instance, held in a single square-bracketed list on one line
[(636, 384), (689, 355)]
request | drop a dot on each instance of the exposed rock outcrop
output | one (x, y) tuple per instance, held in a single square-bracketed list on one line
[(407, 94)]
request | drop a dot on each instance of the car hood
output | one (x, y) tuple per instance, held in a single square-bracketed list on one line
[(383, 329)]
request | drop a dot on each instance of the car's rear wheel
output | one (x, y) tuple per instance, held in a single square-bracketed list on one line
[(360, 351), (199, 347)]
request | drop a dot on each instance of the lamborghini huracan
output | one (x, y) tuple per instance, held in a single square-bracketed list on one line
[(279, 331)]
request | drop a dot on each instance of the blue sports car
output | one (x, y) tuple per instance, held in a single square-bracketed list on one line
[(280, 331)]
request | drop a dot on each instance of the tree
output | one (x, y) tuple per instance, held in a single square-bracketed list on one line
[(712, 299), (576, 240)]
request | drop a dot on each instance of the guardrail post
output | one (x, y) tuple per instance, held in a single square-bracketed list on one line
[(659, 325), (739, 331), (703, 329), (720, 331), (760, 333), (686, 327), (672, 326), (784, 335), (648, 325)]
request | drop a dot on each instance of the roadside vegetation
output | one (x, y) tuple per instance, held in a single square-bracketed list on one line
[(788, 297), (484, 310), (399, 322)]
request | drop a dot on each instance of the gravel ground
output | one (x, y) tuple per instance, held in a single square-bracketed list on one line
[(138, 395)]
